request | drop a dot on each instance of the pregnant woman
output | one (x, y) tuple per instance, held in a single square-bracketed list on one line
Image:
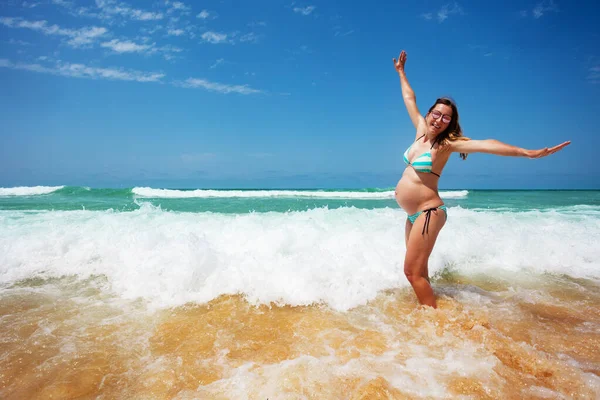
[(438, 135)]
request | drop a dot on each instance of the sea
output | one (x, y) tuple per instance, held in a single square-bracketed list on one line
[(156, 293)]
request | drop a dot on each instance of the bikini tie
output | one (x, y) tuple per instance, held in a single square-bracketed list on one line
[(427, 218)]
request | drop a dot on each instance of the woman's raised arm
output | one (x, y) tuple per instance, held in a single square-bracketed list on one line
[(410, 100), (492, 146)]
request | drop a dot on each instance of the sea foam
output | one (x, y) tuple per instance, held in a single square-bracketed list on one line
[(210, 193), (342, 257), (28, 190)]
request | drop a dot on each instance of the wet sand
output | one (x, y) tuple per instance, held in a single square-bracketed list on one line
[(489, 339)]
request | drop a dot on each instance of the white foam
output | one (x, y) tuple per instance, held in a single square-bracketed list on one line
[(342, 257), (424, 374), (542, 392), (211, 193), (454, 194), (28, 190)]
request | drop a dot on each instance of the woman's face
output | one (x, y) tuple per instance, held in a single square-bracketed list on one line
[(439, 118)]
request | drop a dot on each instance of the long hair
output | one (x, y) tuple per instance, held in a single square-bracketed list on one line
[(453, 131)]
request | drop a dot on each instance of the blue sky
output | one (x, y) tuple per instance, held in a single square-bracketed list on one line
[(291, 94)]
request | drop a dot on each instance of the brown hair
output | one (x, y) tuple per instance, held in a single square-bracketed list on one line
[(453, 131)]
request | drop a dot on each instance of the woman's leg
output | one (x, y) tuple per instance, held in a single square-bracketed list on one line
[(418, 249), (407, 229)]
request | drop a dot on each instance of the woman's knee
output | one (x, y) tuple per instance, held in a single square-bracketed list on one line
[(414, 271), (410, 275)]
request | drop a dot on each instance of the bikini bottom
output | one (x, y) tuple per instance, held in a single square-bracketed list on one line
[(427, 212)]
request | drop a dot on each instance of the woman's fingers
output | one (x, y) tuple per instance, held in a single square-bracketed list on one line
[(399, 63), (559, 147), (547, 151)]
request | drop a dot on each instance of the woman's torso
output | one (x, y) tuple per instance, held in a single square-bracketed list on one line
[(417, 191)]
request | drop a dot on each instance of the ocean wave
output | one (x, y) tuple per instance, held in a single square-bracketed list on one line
[(28, 190), (342, 257), (454, 194), (325, 194)]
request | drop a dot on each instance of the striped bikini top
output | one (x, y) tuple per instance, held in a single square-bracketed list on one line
[(421, 163)]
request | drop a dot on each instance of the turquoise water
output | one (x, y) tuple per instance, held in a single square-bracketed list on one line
[(264, 200)]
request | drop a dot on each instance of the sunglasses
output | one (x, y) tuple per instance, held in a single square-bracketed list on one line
[(445, 118)]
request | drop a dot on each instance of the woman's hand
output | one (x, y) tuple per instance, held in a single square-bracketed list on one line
[(399, 64), (410, 100), (545, 151)]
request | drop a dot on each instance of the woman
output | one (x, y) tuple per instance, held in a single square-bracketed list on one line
[(438, 135)]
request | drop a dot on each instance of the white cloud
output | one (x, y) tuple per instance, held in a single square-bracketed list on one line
[(86, 36), (205, 14), (85, 12), (167, 52), (218, 87), (145, 15), (175, 32), (444, 12), (339, 27), (304, 10), (78, 37), (214, 37), (543, 7), (83, 71), (339, 33), (27, 4), (178, 5), (170, 49), (483, 50), (150, 31), (76, 11), (231, 38), (300, 50), (63, 3), (217, 63), (257, 23), (249, 37), (448, 9), (60, 68), (111, 7), (126, 46), (19, 42)]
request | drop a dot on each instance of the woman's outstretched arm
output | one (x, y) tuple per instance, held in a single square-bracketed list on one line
[(493, 146), (410, 100)]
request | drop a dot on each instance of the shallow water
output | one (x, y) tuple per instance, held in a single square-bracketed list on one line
[(298, 295), (65, 338)]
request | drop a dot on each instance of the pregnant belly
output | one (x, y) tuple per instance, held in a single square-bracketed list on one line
[(412, 195)]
